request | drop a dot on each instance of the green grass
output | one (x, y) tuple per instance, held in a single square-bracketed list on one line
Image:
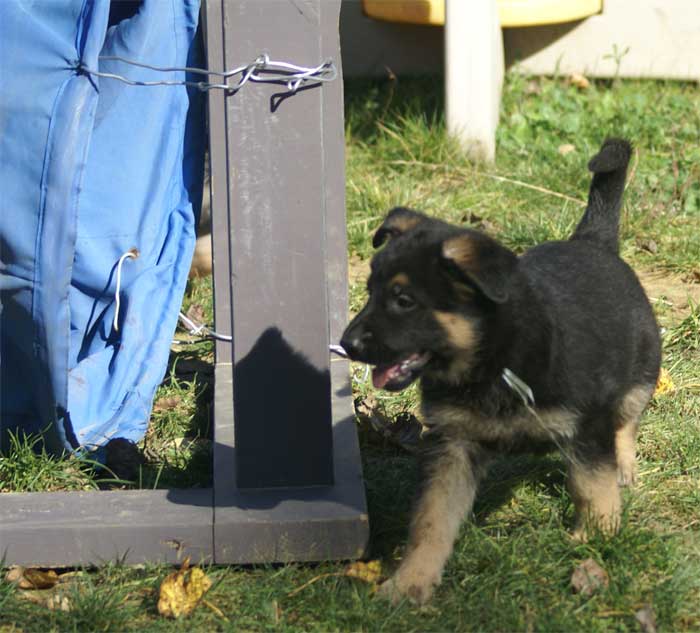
[(512, 564), (29, 468)]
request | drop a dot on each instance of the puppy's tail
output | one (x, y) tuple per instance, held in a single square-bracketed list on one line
[(601, 221)]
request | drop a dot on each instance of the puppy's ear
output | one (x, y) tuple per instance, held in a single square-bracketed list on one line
[(398, 221), (483, 261)]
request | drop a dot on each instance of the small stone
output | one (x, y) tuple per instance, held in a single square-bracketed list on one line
[(566, 148), (650, 246), (533, 87), (647, 619), (579, 81), (588, 577), (167, 403)]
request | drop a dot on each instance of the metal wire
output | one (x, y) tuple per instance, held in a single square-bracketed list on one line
[(199, 329), (261, 70), (204, 331), (339, 350)]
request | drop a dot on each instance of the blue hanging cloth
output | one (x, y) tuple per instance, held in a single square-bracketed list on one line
[(91, 168)]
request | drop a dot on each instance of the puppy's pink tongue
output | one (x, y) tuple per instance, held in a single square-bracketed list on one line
[(381, 375)]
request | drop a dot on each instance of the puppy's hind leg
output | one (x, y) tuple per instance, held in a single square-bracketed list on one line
[(629, 412), (596, 495), (593, 483), (448, 496)]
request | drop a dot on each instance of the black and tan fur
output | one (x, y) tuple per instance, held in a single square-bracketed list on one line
[(454, 308)]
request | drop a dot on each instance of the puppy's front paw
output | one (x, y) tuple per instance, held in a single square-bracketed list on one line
[(627, 474), (580, 534), (413, 584)]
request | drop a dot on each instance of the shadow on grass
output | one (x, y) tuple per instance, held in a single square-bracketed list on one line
[(393, 480), (167, 466), (373, 103)]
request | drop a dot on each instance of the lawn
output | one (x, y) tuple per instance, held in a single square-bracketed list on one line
[(512, 564)]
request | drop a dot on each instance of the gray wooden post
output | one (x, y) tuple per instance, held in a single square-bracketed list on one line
[(286, 462)]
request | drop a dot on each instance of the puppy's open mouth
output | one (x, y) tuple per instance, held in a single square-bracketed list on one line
[(398, 376)]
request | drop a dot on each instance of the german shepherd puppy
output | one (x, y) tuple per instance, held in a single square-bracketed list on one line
[(558, 346)]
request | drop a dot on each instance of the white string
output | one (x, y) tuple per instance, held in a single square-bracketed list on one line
[(262, 70), (130, 254)]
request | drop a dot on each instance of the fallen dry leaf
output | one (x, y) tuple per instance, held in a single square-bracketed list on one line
[(31, 578), (196, 313), (14, 574), (365, 407), (588, 577), (276, 611), (370, 572), (167, 403), (580, 81), (71, 576), (664, 384), (479, 222), (405, 430), (533, 87), (649, 245), (566, 148), (646, 618), (182, 591), (54, 599)]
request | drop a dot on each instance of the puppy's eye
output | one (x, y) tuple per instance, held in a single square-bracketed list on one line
[(401, 301), (405, 302)]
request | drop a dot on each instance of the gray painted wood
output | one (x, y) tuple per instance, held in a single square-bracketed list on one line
[(289, 273), (296, 524), (212, 21), (58, 529), (276, 172), (334, 183)]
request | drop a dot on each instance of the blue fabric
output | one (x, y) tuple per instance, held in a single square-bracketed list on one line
[(90, 168)]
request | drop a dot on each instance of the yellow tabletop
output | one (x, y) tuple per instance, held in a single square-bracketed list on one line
[(510, 12)]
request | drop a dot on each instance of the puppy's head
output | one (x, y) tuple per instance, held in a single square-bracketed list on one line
[(432, 288)]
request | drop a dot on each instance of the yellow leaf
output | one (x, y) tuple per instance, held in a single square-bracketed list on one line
[(31, 578), (664, 384), (182, 591), (370, 572)]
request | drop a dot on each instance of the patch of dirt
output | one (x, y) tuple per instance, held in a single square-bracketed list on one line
[(358, 269), (669, 293)]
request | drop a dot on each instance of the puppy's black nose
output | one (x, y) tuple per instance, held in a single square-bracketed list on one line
[(355, 343)]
